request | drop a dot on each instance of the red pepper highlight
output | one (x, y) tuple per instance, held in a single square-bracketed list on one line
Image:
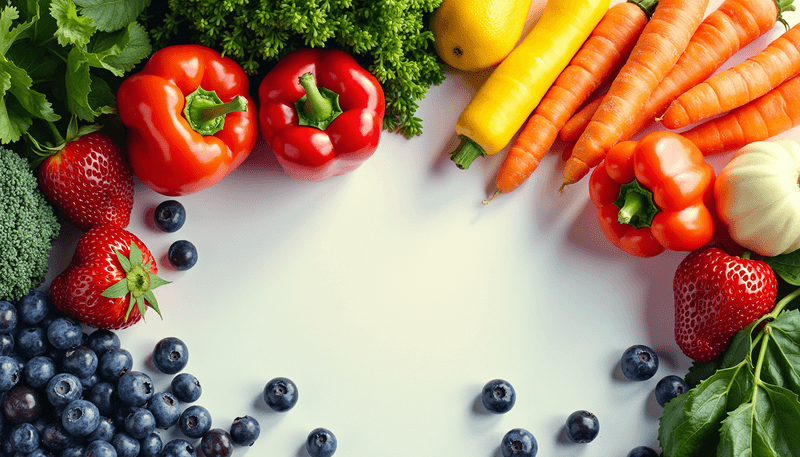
[(321, 113)]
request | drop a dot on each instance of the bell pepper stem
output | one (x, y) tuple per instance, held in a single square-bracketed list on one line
[(466, 153), (206, 112), (319, 106), (633, 204), (316, 106)]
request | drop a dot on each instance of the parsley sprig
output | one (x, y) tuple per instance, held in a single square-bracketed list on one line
[(746, 401), (390, 38)]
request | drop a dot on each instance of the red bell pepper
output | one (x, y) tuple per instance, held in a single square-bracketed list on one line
[(321, 113), (654, 194), (190, 119)]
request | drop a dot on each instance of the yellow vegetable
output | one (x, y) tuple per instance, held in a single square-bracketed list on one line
[(517, 85), (472, 35)]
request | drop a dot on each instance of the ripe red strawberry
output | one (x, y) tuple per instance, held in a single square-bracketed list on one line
[(716, 295), (89, 181), (109, 282)]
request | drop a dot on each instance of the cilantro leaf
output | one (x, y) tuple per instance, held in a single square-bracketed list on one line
[(111, 15), (782, 358), (34, 60), (9, 35), (80, 84), (690, 423), (120, 51), (769, 426), (72, 29), (11, 128)]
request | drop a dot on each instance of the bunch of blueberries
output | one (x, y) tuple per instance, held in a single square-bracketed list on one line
[(66, 393), (638, 363)]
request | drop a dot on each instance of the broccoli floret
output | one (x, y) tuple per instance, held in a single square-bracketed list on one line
[(28, 226)]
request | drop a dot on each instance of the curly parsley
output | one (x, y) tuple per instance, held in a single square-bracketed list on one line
[(390, 38)]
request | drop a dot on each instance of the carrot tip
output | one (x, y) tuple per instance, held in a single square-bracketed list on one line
[(486, 201)]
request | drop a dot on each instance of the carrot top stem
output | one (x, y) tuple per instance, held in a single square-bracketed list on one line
[(648, 6), (466, 153), (784, 5)]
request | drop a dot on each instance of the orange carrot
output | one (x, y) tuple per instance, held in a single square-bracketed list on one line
[(662, 42), (740, 84), (575, 126), (603, 53), (774, 112), (722, 33)]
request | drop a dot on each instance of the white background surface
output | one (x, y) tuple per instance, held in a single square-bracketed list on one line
[(391, 295)]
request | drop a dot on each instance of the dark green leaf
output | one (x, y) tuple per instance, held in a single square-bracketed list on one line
[(787, 266), (82, 100), (111, 15), (769, 426), (782, 360), (35, 60), (72, 29), (117, 290), (120, 51), (739, 350), (690, 423)]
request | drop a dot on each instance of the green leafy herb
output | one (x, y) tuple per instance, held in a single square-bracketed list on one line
[(745, 402), (59, 56), (390, 38)]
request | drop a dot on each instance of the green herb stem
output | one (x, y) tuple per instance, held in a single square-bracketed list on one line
[(760, 364), (784, 301)]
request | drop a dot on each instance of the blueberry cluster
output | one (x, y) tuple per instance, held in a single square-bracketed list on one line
[(169, 216), (67, 393)]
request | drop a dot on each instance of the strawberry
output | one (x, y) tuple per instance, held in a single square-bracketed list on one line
[(88, 179), (109, 282), (716, 295)]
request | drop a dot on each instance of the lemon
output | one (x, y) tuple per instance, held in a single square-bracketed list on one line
[(473, 35)]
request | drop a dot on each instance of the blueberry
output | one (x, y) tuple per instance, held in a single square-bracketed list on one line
[(55, 437), (182, 255), (80, 417), (321, 442), (150, 446), (135, 388), (186, 388), (24, 438), (169, 216), (639, 363), (8, 316), (33, 307), (64, 333), (6, 343), (669, 387), (77, 450), (178, 448), (170, 355), (280, 394), (245, 430), (39, 370), (39, 452), (125, 445), (498, 396), (519, 442), (194, 421), (9, 373), (114, 363), (166, 409), (105, 431), (104, 396), (102, 341), (582, 427), (80, 361), (99, 449), (22, 404), (642, 451), (140, 423), (216, 443), (32, 341), (63, 388), (90, 381)]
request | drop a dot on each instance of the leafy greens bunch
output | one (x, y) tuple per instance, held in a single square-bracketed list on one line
[(746, 401), (57, 56), (390, 38)]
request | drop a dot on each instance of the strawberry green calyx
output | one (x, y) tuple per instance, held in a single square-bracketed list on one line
[(138, 282)]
